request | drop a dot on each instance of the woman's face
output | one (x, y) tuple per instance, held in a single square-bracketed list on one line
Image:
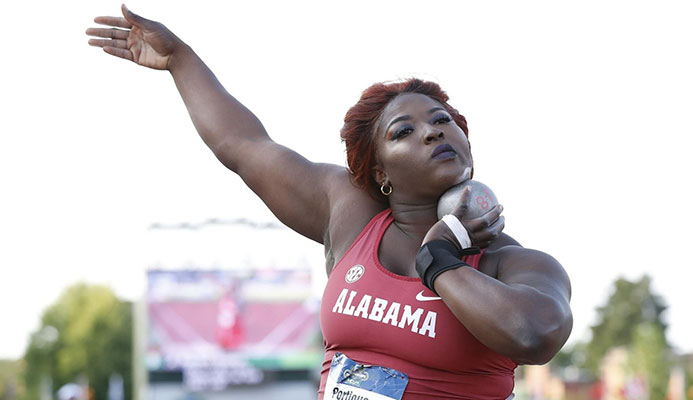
[(420, 149)]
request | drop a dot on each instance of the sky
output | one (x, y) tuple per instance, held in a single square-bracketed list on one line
[(579, 116)]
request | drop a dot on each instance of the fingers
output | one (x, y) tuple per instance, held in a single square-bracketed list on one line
[(120, 22), (132, 17), (116, 39), (122, 53), (486, 228), (488, 235), (108, 33), (492, 215), (119, 44), (462, 204)]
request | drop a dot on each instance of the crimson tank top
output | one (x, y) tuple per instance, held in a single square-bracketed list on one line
[(377, 317)]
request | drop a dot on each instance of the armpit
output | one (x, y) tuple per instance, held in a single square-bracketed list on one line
[(329, 255)]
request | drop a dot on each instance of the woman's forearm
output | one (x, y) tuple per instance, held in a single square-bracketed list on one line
[(518, 321), (219, 118)]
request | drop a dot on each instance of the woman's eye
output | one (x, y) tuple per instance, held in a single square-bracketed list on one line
[(402, 132), (443, 119)]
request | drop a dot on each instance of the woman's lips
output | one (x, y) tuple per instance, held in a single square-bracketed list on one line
[(443, 152)]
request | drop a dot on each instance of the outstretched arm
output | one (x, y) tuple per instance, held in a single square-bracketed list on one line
[(296, 190)]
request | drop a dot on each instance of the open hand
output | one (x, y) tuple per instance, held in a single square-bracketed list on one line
[(482, 230), (145, 42)]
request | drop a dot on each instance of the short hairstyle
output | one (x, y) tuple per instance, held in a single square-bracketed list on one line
[(358, 132)]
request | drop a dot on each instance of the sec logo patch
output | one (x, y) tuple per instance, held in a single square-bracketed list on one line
[(354, 273)]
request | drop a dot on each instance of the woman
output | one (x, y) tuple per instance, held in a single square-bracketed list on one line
[(398, 296)]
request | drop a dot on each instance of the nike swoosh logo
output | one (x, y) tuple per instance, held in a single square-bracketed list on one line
[(421, 297)]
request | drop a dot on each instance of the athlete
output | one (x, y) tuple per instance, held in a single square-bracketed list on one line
[(412, 308)]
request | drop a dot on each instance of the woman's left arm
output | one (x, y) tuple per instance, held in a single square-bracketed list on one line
[(523, 313)]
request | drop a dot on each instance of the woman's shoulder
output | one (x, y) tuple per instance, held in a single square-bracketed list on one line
[(516, 264), (346, 197), (351, 209)]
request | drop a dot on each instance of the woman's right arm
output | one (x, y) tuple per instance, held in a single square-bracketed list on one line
[(295, 189)]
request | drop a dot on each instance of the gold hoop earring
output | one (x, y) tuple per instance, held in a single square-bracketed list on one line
[(385, 192)]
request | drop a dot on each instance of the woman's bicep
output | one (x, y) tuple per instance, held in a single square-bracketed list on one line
[(295, 189), (520, 266)]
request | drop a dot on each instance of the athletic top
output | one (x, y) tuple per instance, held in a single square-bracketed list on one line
[(377, 317)]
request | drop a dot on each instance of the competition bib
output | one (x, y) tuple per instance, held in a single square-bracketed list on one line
[(349, 380)]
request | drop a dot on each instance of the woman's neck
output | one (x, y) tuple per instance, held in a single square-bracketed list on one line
[(414, 220)]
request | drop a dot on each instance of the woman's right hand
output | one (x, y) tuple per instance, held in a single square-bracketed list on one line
[(145, 42), (296, 190), (482, 230)]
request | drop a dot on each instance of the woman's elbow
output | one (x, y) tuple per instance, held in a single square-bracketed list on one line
[(542, 342)]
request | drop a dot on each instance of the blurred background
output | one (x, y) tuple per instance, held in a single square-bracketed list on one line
[(135, 266)]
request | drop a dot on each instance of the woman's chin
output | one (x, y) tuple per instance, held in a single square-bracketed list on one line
[(456, 177)]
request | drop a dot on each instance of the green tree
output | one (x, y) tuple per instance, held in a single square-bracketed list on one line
[(11, 386), (87, 332), (649, 358), (570, 356), (630, 305)]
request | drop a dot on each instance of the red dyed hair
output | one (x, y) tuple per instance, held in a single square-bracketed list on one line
[(358, 132)]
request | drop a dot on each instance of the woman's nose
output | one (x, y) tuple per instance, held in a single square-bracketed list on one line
[(432, 136)]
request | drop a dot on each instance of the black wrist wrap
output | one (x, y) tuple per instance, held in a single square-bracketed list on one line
[(438, 256)]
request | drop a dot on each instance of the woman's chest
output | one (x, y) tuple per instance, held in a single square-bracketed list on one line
[(365, 307)]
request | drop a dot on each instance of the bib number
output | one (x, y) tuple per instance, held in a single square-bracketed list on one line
[(349, 380)]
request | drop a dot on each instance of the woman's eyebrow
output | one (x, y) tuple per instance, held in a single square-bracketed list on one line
[(406, 117), (396, 120)]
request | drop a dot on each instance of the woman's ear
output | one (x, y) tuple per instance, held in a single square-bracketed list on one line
[(379, 175)]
